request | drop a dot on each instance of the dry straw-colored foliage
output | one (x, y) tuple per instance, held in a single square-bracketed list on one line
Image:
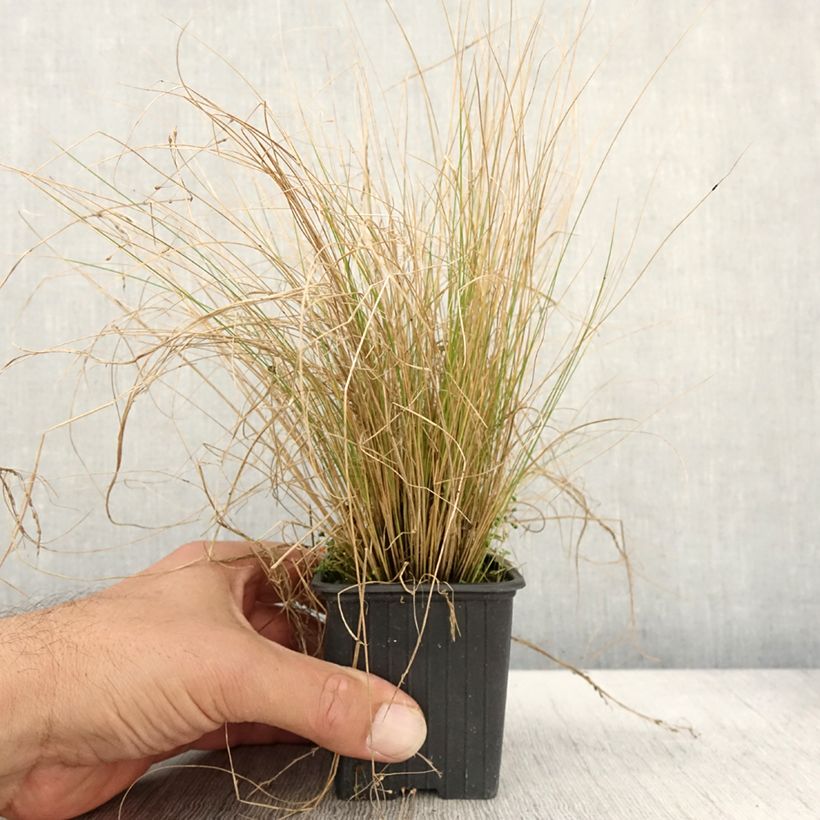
[(389, 323), (381, 319)]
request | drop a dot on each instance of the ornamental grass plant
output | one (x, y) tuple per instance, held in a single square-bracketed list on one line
[(388, 330), (382, 325)]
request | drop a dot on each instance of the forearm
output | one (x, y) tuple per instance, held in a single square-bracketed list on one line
[(26, 696)]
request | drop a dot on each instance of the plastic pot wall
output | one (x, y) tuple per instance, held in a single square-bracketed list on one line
[(461, 683)]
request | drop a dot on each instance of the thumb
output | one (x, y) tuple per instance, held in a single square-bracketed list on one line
[(340, 708)]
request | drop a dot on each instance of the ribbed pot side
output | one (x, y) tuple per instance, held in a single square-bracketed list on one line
[(459, 679)]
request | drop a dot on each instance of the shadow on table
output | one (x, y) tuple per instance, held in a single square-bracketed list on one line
[(200, 785)]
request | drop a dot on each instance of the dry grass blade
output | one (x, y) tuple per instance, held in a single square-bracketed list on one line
[(603, 694)]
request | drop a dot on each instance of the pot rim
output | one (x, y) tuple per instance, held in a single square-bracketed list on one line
[(331, 589)]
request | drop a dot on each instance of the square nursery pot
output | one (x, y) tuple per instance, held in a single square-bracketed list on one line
[(460, 682)]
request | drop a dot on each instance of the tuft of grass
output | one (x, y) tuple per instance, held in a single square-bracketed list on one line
[(387, 331)]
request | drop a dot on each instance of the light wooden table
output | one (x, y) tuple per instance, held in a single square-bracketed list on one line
[(567, 755)]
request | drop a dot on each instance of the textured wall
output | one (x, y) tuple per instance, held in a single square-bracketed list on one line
[(713, 360)]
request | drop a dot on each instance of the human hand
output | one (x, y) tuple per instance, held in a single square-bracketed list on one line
[(93, 692)]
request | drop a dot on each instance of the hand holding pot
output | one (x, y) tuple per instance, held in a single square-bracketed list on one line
[(95, 691)]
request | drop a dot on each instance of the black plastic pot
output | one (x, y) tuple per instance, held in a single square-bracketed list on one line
[(460, 683)]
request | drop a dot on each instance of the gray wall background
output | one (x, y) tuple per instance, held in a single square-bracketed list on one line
[(714, 358)]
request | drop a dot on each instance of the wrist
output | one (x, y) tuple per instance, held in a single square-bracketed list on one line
[(27, 680)]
